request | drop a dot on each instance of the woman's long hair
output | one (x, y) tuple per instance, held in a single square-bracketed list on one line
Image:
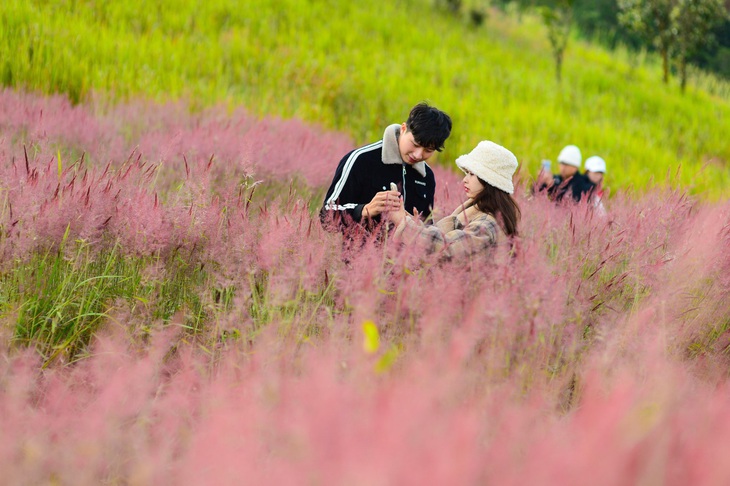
[(501, 205)]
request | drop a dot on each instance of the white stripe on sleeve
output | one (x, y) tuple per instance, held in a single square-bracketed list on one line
[(346, 171), (337, 207)]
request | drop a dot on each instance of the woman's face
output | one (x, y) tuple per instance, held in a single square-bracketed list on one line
[(595, 177), (472, 185)]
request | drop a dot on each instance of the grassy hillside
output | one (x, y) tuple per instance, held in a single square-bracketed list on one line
[(357, 66)]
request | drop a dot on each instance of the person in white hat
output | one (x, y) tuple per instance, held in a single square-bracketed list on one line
[(595, 170), (570, 181), (476, 225)]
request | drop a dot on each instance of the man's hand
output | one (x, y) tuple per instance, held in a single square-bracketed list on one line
[(383, 202)]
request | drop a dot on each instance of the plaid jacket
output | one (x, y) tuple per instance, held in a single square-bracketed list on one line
[(449, 236)]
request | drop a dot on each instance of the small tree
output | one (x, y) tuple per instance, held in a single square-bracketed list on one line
[(558, 18), (693, 22), (452, 6), (652, 20), (477, 11)]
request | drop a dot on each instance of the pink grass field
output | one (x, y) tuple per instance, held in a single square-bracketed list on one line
[(598, 355)]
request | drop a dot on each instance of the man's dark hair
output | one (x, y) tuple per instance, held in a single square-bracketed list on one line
[(429, 125)]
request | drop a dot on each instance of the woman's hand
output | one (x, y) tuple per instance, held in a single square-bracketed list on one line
[(397, 215)]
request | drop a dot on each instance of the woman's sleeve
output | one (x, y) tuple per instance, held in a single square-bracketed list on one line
[(477, 236)]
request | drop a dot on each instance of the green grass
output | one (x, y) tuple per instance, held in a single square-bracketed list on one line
[(357, 66), (60, 298)]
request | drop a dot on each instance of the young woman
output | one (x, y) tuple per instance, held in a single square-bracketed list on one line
[(475, 226), (595, 171)]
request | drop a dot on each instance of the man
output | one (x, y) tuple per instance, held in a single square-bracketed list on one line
[(570, 181), (361, 188)]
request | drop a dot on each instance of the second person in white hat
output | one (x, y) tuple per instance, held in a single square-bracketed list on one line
[(595, 172), (488, 212), (569, 182)]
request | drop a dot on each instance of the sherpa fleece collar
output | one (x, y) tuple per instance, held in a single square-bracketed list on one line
[(391, 154)]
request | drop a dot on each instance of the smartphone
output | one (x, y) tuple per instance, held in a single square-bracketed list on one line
[(546, 165)]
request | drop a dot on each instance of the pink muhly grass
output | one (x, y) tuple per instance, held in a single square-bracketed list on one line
[(241, 142), (321, 412), (92, 203), (138, 196), (37, 118), (598, 354)]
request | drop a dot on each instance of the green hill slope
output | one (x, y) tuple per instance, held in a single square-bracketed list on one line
[(357, 66)]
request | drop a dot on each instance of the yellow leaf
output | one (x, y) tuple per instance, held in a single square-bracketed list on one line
[(387, 360), (371, 343)]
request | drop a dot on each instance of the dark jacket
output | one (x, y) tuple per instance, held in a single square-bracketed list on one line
[(370, 169), (576, 187)]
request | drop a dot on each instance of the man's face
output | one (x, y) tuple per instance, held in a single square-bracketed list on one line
[(567, 170), (410, 151)]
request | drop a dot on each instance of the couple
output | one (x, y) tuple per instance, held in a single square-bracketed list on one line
[(389, 181)]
